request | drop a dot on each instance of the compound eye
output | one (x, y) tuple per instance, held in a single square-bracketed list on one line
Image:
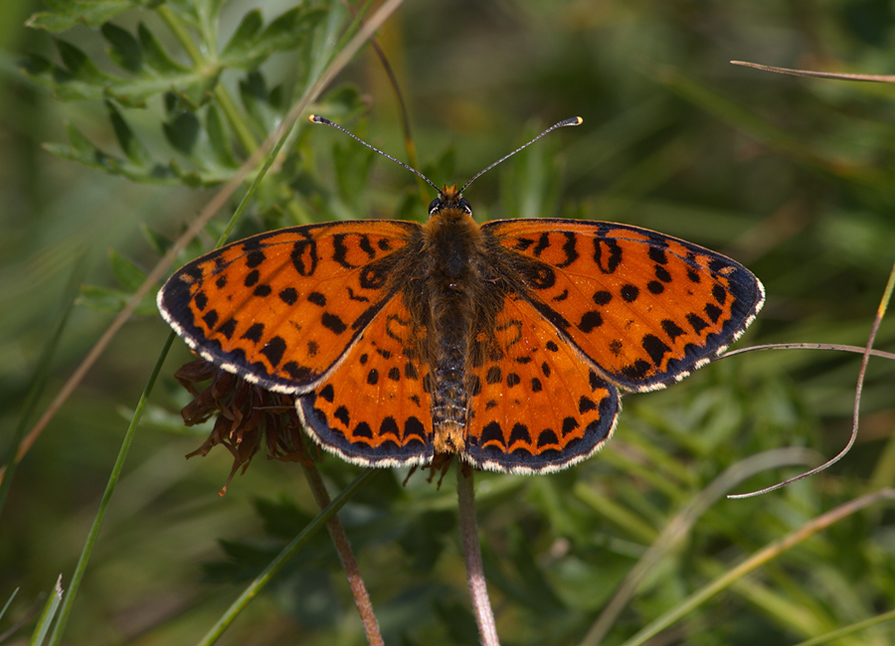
[(465, 206), (434, 206)]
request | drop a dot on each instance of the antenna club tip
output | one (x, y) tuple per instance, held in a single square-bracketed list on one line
[(316, 118), (571, 121)]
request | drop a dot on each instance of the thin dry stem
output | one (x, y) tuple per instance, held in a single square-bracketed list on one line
[(346, 555), (839, 76), (859, 389), (472, 554)]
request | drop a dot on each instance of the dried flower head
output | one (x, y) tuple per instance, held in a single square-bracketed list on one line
[(247, 414)]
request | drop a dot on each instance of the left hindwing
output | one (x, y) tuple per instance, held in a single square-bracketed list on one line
[(644, 307)]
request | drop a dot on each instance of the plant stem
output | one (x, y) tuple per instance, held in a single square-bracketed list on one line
[(349, 564), (472, 554)]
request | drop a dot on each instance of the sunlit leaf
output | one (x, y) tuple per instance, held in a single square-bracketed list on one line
[(125, 50), (249, 46), (65, 14)]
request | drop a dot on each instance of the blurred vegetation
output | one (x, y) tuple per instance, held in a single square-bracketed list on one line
[(114, 134)]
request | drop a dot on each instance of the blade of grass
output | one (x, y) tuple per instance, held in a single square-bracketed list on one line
[(46, 616), (851, 629)]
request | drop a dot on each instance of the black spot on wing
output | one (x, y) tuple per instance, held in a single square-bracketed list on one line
[(210, 319), (274, 350), (254, 333), (629, 293), (520, 434), (289, 296), (333, 323), (655, 348), (590, 321), (228, 328), (252, 278), (255, 258)]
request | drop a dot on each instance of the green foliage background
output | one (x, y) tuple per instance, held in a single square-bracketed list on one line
[(795, 178)]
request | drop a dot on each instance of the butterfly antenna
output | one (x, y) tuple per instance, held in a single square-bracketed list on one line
[(572, 121), (316, 118)]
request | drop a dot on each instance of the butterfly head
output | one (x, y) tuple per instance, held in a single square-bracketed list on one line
[(449, 198)]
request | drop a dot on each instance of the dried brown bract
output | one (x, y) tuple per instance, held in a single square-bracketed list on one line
[(247, 416)]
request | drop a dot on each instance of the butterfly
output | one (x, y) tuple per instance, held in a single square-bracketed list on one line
[(504, 343)]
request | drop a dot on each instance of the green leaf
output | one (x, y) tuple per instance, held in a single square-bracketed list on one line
[(244, 35), (126, 272), (182, 131), (78, 141), (83, 151), (156, 241), (156, 173), (188, 178), (62, 83), (104, 299), (133, 148), (284, 32), (94, 85), (207, 145), (253, 92), (198, 14), (219, 138), (155, 56), (79, 65), (124, 50), (248, 47), (65, 14), (210, 8)]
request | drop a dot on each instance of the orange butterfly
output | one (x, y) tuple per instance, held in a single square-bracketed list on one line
[(505, 343)]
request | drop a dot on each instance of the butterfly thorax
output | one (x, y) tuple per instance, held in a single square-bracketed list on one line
[(456, 275)]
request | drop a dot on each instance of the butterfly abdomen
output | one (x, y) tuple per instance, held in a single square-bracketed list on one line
[(454, 252)]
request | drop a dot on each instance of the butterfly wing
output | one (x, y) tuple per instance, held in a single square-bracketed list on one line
[(376, 410), (538, 406), (645, 308), (281, 308)]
